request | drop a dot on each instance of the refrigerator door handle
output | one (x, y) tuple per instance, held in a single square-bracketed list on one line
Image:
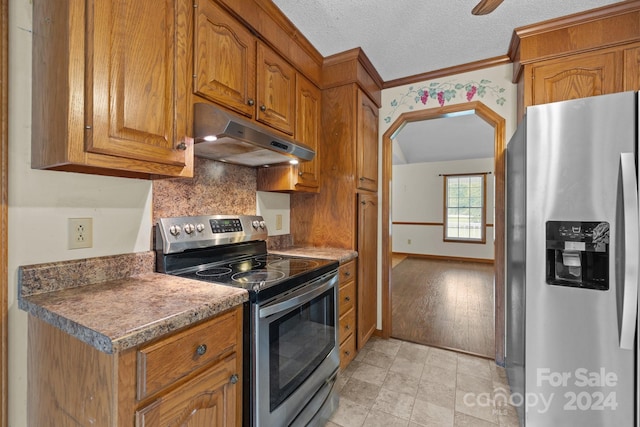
[(629, 298)]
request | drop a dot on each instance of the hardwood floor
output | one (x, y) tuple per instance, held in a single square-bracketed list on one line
[(447, 304)]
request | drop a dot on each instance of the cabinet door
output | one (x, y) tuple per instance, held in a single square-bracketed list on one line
[(137, 89), (224, 55), (367, 266), (579, 76), (367, 146), (276, 89), (209, 400), (632, 69), (308, 129)]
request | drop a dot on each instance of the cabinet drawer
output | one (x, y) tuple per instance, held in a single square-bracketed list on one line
[(347, 297), (163, 362), (347, 351), (210, 398), (347, 271), (347, 325)]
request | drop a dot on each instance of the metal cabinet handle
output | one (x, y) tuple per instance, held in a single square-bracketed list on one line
[(202, 349), (182, 146), (347, 327), (263, 108), (348, 273), (233, 379), (251, 102), (347, 299), (347, 353)]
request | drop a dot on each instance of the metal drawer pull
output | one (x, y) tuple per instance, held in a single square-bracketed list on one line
[(181, 146), (202, 349), (347, 327), (347, 299), (233, 379), (347, 353)]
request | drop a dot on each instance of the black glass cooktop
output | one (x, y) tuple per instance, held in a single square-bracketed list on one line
[(258, 273)]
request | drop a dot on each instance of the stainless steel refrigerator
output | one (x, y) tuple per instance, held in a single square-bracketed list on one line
[(572, 263)]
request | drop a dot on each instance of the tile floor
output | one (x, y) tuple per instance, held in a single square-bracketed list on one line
[(396, 383)]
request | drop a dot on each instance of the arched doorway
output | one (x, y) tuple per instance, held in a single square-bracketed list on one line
[(498, 124)]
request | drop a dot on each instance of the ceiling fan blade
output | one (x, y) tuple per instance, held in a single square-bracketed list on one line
[(485, 6)]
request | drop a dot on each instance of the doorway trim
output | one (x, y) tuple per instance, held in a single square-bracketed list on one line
[(498, 123), (4, 215)]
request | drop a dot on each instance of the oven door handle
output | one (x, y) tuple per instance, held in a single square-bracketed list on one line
[(295, 300)]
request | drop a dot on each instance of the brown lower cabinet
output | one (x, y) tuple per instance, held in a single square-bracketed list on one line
[(347, 312), (189, 378)]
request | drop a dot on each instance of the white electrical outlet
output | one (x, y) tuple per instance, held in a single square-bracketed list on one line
[(278, 221), (80, 233)]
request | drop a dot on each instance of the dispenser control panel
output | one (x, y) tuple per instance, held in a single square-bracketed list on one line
[(578, 254)]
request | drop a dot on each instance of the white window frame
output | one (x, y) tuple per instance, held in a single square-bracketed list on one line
[(461, 202)]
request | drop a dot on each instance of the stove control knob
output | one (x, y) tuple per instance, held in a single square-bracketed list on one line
[(175, 230), (200, 227), (262, 225), (256, 224), (189, 228)]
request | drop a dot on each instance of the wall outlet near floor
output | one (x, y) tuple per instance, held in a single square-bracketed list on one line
[(278, 221), (80, 233)]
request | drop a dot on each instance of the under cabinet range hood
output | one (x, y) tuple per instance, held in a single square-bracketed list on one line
[(224, 137)]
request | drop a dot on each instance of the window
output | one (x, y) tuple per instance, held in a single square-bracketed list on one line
[(464, 208)]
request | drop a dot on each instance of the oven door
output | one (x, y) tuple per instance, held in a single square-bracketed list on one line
[(297, 352)]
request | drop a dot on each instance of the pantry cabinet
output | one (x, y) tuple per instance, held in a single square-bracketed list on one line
[(367, 271), (587, 54), (190, 378), (367, 143), (344, 213), (110, 87)]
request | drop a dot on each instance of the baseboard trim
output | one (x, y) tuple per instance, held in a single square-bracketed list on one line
[(444, 257)]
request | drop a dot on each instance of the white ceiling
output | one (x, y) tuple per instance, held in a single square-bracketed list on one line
[(457, 137), (407, 37), (404, 38)]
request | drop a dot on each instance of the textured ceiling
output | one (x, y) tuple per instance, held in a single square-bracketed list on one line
[(407, 37)]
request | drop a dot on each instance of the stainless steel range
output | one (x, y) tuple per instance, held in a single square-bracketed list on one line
[(291, 344)]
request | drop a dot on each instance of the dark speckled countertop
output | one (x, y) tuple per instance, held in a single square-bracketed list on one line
[(117, 302), (340, 255)]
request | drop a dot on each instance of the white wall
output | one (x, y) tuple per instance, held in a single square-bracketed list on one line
[(41, 201), (417, 191)]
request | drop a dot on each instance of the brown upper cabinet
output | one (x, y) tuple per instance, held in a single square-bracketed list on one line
[(234, 67), (224, 59), (110, 88), (586, 54), (304, 176), (276, 86)]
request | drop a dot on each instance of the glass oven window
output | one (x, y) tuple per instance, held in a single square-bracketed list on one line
[(298, 342)]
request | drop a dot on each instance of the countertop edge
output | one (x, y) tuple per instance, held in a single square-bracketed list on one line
[(338, 254)]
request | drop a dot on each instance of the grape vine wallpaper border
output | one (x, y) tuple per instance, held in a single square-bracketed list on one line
[(445, 92), (492, 86)]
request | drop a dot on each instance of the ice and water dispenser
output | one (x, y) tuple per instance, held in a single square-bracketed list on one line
[(578, 254)]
